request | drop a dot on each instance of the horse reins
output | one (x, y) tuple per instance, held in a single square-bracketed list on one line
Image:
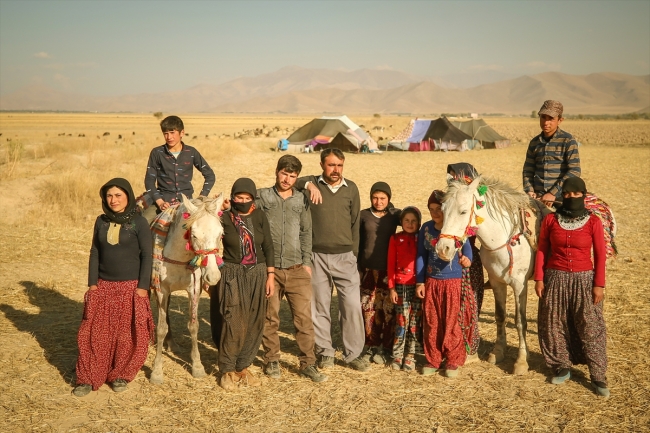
[(511, 242)]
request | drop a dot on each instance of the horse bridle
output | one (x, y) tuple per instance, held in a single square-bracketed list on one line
[(459, 241)]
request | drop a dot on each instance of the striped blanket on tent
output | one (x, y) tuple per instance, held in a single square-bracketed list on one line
[(159, 229)]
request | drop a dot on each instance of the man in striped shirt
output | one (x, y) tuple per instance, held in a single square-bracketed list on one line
[(552, 157)]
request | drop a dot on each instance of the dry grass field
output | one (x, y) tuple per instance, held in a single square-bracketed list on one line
[(49, 193)]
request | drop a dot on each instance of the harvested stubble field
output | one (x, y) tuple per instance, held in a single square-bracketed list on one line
[(49, 185)]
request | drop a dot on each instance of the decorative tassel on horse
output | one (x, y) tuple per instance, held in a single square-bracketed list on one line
[(480, 204), (479, 220), (482, 189)]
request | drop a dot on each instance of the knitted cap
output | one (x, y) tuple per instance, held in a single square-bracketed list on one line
[(435, 197)]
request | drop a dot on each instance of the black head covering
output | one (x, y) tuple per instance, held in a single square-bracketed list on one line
[(131, 208), (382, 187), (573, 207), (243, 184), (463, 170)]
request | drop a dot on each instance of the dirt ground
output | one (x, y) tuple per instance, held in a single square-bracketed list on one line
[(48, 190)]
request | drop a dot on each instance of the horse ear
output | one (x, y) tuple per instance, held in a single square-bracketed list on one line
[(218, 200), (475, 183), (188, 204)]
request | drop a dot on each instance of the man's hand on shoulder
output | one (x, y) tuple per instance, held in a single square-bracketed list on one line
[(315, 195)]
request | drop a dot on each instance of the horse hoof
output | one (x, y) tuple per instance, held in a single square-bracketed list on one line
[(520, 369), (495, 358), (198, 373), (156, 379)]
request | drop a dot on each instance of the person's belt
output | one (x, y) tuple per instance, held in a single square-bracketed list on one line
[(290, 268)]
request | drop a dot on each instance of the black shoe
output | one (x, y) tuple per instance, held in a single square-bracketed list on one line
[(312, 373), (272, 370), (359, 364), (82, 390), (325, 362), (119, 385)]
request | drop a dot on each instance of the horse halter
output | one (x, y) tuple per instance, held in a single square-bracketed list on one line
[(459, 240), (200, 259)]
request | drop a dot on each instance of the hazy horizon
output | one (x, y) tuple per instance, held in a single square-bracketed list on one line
[(112, 48)]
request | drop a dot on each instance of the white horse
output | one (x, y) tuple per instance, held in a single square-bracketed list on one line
[(493, 212), (189, 261)]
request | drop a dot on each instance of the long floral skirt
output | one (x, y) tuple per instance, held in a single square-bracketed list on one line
[(408, 322), (114, 335), (378, 315), (571, 328), (442, 335)]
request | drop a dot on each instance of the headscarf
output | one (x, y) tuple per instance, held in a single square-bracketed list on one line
[(462, 170), (246, 239), (411, 210), (381, 187), (129, 212), (435, 197), (246, 185), (573, 207)]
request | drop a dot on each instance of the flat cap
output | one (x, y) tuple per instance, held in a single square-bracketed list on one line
[(552, 108)]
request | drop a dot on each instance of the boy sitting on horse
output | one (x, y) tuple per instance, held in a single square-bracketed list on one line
[(552, 157), (169, 169)]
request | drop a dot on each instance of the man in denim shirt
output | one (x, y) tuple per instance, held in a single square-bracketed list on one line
[(288, 213)]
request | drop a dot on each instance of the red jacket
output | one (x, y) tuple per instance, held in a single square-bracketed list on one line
[(402, 251), (570, 250)]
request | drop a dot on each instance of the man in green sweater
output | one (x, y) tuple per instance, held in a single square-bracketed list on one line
[(335, 244)]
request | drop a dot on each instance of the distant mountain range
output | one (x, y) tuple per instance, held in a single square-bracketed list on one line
[(300, 90)]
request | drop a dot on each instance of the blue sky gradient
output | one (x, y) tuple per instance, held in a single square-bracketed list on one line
[(120, 47)]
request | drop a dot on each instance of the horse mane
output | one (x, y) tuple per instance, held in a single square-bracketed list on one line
[(501, 199), (204, 205)]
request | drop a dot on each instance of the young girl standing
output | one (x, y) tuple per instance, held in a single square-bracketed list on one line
[(439, 285), (402, 253)]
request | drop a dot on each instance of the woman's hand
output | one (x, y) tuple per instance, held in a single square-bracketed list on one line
[(393, 296), (598, 294), (143, 293), (465, 262), (539, 288), (93, 287), (419, 290), (225, 205), (270, 285)]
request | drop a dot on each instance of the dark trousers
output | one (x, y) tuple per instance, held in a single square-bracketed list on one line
[(295, 285), (237, 312)]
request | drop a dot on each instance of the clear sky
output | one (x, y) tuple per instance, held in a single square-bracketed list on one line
[(122, 47)]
